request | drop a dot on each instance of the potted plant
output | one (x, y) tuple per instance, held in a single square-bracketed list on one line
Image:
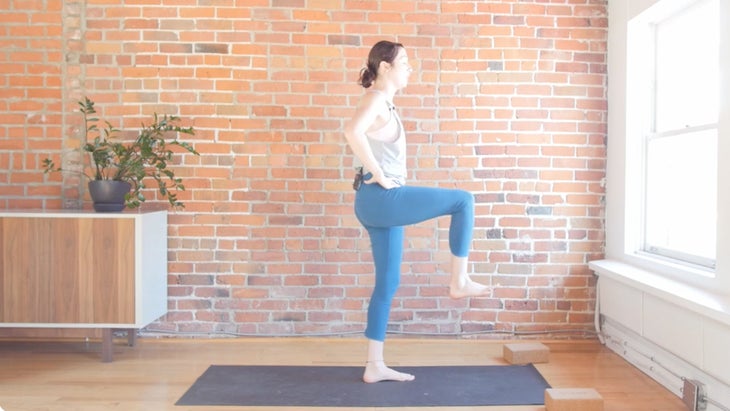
[(117, 170)]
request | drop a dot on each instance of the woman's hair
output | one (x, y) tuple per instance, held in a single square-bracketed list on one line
[(382, 51)]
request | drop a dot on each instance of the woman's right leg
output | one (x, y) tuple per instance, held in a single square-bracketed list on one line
[(376, 370), (384, 213), (387, 247)]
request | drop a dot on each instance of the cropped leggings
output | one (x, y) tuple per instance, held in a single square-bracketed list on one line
[(384, 213)]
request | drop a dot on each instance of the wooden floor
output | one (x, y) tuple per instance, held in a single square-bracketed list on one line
[(49, 376)]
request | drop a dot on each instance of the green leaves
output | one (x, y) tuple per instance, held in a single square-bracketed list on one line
[(148, 155), (49, 166)]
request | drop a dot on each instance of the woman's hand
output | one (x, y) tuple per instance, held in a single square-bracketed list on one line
[(385, 182)]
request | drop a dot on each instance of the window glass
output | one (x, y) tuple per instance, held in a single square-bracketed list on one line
[(687, 63), (681, 199), (680, 196)]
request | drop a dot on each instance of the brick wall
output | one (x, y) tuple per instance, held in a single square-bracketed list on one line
[(508, 100)]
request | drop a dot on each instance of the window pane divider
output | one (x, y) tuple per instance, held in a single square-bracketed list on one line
[(680, 131), (678, 255)]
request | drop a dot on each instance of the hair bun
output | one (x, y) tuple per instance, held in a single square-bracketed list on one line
[(366, 77)]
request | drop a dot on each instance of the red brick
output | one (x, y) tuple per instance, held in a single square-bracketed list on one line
[(269, 197)]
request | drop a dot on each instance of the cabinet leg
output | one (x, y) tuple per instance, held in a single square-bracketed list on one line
[(106, 345), (131, 337)]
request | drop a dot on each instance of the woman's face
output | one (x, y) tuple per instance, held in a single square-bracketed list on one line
[(400, 70)]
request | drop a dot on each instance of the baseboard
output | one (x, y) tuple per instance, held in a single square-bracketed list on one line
[(662, 366)]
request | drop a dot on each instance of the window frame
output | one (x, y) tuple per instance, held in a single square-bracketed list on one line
[(628, 120), (653, 133)]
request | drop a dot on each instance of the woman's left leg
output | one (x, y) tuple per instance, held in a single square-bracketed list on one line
[(408, 205), (384, 213), (403, 206)]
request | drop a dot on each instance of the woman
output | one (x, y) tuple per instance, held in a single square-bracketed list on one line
[(384, 204)]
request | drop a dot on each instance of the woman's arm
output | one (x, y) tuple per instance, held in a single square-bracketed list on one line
[(365, 115)]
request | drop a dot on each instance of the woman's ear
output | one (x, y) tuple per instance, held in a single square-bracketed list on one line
[(384, 66)]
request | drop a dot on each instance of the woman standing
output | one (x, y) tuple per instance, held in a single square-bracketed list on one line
[(384, 204)]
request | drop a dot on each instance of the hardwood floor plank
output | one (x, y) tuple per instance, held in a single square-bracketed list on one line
[(68, 375)]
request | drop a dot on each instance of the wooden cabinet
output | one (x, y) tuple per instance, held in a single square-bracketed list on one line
[(83, 269)]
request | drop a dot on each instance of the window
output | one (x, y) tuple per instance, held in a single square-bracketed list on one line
[(680, 163), (673, 75), (681, 197), (667, 177)]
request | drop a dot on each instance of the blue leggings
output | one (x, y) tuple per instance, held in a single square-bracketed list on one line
[(384, 213)]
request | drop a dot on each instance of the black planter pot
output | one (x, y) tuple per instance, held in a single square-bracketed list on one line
[(108, 195)]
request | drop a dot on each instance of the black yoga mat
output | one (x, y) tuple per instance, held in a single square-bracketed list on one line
[(343, 387)]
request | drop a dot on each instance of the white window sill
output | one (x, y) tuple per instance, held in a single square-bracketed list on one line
[(711, 305)]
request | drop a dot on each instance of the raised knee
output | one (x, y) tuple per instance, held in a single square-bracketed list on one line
[(466, 198)]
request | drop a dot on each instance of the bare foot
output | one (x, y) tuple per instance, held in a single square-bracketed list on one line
[(376, 371), (468, 288)]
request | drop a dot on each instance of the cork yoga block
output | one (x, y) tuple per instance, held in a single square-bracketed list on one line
[(573, 399), (526, 353)]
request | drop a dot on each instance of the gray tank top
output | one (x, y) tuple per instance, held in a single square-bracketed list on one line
[(391, 155)]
